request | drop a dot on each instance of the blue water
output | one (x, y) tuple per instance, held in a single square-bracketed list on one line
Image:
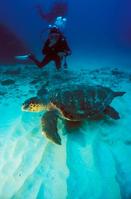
[(93, 161)]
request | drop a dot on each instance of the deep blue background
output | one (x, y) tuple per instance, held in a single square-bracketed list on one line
[(93, 25)]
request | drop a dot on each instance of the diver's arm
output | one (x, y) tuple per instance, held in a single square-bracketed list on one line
[(65, 47)]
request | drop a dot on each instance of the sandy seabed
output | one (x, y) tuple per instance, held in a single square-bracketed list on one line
[(92, 162)]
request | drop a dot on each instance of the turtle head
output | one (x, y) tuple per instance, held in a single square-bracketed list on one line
[(33, 104)]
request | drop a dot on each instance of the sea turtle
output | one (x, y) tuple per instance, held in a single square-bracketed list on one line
[(74, 104)]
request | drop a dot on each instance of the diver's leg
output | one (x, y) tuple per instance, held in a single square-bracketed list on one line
[(42, 63), (57, 60)]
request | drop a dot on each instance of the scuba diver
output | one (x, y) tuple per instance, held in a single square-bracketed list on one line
[(55, 49)]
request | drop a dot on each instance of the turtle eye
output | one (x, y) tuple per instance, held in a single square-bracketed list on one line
[(32, 102)]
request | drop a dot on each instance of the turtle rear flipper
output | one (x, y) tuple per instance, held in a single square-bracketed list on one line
[(49, 126), (111, 112), (117, 94)]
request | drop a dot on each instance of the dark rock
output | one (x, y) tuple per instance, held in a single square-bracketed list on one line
[(116, 72), (13, 72), (35, 81), (2, 93), (7, 82)]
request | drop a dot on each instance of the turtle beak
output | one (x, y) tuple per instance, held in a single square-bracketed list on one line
[(24, 107)]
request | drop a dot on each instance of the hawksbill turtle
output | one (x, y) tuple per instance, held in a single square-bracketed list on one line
[(73, 104)]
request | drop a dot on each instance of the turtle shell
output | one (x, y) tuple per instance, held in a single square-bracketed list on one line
[(82, 102)]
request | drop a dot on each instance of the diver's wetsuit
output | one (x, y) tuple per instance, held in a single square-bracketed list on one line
[(51, 53)]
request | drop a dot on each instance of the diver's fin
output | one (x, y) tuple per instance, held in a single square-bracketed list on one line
[(119, 93), (49, 126), (23, 57), (110, 111)]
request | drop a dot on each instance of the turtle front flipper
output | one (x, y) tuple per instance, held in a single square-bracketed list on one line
[(49, 126), (111, 112)]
